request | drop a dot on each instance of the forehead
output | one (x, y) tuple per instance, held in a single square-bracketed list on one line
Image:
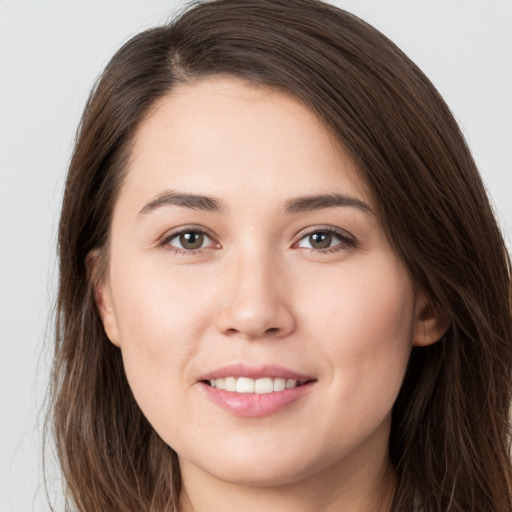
[(227, 135)]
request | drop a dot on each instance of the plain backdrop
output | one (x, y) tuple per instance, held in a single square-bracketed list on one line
[(50, 54)]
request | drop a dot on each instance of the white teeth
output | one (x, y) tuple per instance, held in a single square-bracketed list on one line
[(245, 385), (291, 383), (265, 385), (260, 386), (230, 383), (279, 384)]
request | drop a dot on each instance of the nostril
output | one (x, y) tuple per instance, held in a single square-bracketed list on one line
[(253, 321), (271, 331)]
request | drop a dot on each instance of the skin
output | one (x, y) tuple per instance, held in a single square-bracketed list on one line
[(259, 291)]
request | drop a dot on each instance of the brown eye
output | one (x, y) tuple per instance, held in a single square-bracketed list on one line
[(327, 240), (191, 240), (320, 240)]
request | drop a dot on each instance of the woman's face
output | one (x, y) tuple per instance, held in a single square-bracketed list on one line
[(246, 253)]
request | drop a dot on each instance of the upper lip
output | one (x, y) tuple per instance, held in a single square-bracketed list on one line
[(255, 372)]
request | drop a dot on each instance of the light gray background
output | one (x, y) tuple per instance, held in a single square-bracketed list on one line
[(50, 54)]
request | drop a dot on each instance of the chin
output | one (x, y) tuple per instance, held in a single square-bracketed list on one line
[(257, 467), (253, 475)]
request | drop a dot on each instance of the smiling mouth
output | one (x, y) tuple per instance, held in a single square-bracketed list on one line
[(255, 391), (261, 386)]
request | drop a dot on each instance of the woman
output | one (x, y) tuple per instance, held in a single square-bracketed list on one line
[(282, 286)]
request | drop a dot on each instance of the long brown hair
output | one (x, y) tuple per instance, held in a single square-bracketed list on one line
[(449, 442)]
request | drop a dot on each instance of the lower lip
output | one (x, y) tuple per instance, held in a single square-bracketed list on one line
[(253, 405)]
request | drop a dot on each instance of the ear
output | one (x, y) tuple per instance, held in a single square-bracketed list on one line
[(431, 324), (98, 276)]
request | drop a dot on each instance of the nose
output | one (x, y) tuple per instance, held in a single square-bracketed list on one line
[(255, 304)]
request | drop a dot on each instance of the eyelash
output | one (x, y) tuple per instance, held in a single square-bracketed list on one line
[(347, 241), (165, 242)]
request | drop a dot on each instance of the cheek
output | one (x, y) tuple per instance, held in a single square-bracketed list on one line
[(370, 304), (363, 321), (160, 323), (157, 310)]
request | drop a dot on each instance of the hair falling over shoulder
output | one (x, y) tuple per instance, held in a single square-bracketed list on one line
[(450, 433)]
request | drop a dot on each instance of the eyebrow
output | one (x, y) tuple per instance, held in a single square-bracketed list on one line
[(193, 201), (296, 205), (310, 203)]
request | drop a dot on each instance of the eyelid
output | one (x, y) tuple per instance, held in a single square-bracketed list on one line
[(348, 240), (170, 235)]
